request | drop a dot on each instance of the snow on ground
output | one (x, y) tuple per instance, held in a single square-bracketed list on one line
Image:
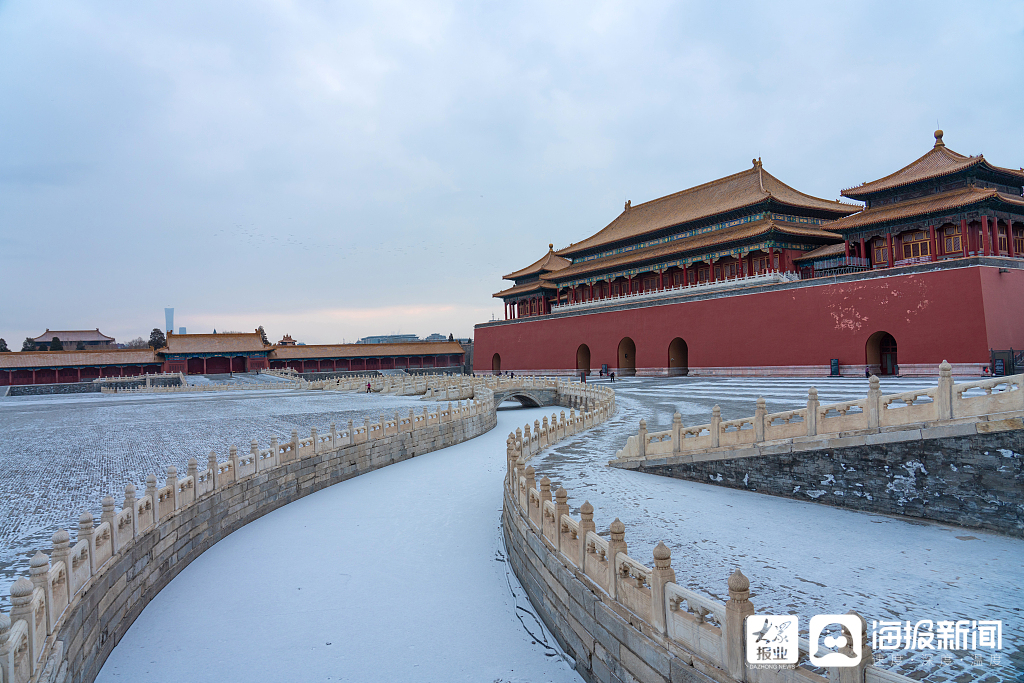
[(801, 557), (395, 575), (59, 455), (402, 569)]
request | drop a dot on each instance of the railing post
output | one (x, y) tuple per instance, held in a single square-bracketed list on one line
[(129, 504), (151, 492), (716, 426), (85, 533), (233, 459), (660, 575), (108, 516), (641, 442), (39, 569), (677, 433), (759, 412), (254, 451), (172, 481), (561, 508), (211, 462), (295, 443), (944, 393), (586, 524), (193, 471), (313, 436), (812, 412), (531, 483), (21, 610), (737, 609), (616, 545), (873, 402)]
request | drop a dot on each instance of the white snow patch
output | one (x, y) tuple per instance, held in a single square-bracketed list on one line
[(716, 477), (816, 494), (829, 479), (1007, 453)]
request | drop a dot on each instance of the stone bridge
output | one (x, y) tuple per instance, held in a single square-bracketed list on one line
[(528, 397)]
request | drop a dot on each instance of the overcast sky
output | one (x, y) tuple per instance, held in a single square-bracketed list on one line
[(333, 170)]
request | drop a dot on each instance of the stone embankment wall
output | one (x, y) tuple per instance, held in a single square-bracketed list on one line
[(45, 389), (82, 598), (950, 454), (620, 620), (974, 480)]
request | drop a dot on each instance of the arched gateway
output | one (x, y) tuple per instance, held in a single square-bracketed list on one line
[(678, 358), (880, 354), (627, 357), (583, 359), (496, 364)]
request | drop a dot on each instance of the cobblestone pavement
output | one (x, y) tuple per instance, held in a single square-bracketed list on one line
[(801, 557), (59, 455)]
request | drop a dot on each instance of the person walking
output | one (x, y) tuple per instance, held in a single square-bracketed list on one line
[(367, 387)]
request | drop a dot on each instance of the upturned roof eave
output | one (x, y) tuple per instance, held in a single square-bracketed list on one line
[(846, 210), (770, 227)]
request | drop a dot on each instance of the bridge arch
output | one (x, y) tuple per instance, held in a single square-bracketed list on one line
[(678, 358), (496, 364), (880, 354), (583, 359), (627, 357)]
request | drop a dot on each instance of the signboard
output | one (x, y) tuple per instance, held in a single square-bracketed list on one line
[(998, 367), (835, 367)]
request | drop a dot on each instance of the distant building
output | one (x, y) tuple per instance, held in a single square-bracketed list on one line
[(436, 337), (286, 340), (389, 339), (194, 354), (90, 339)]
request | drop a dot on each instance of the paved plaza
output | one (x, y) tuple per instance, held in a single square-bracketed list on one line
[(59, 455)]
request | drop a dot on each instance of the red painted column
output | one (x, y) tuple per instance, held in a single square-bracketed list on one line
[(965, 238), (79, 372), (888, 249), (863, 250), (1009, 239), (984, 236), (771, 259), (995, 237), (931, 238), (846, 246)]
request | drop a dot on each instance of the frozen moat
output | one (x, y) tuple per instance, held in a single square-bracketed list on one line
[(408, 540), (800, 557)]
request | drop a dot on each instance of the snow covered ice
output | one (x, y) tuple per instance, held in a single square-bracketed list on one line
[(396, 575), (402, 570), (800, 557)]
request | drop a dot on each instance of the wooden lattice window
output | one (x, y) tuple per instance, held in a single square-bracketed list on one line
[(952, 241), (916, 244), (703, 275), (881, 251), (1002, 238), (1018, 241)]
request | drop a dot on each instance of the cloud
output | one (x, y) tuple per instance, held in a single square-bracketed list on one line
[(272, 156)]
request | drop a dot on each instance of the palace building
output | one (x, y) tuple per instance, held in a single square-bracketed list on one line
[(747, 275), (195, 354)]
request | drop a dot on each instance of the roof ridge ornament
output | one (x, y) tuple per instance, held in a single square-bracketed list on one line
[(629, 205), (938, 138)]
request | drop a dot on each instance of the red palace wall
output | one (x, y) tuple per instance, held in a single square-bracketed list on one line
[(956, 314)]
